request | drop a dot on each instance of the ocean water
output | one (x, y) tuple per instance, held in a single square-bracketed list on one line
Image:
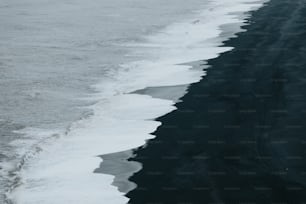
[(69, 72)]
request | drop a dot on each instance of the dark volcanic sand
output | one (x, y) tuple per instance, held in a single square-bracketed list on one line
[(239, 135)]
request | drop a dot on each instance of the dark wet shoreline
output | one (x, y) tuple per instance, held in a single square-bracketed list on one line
[(238, 136)]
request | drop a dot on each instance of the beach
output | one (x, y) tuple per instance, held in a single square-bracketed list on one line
[(153, 102), (83, 82), (237, 136)]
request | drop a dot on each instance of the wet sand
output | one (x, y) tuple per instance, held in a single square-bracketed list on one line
[(117, 164)]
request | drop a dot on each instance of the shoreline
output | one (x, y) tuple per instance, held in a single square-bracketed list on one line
[(125, 160), (134, 112), (237, 135)]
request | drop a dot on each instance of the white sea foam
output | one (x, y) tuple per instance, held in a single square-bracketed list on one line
[(65, 168), (63, 171)]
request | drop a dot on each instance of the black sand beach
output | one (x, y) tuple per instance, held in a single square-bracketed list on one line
[(239, 135)]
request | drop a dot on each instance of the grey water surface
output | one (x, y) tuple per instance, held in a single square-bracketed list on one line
[(52, 52)]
